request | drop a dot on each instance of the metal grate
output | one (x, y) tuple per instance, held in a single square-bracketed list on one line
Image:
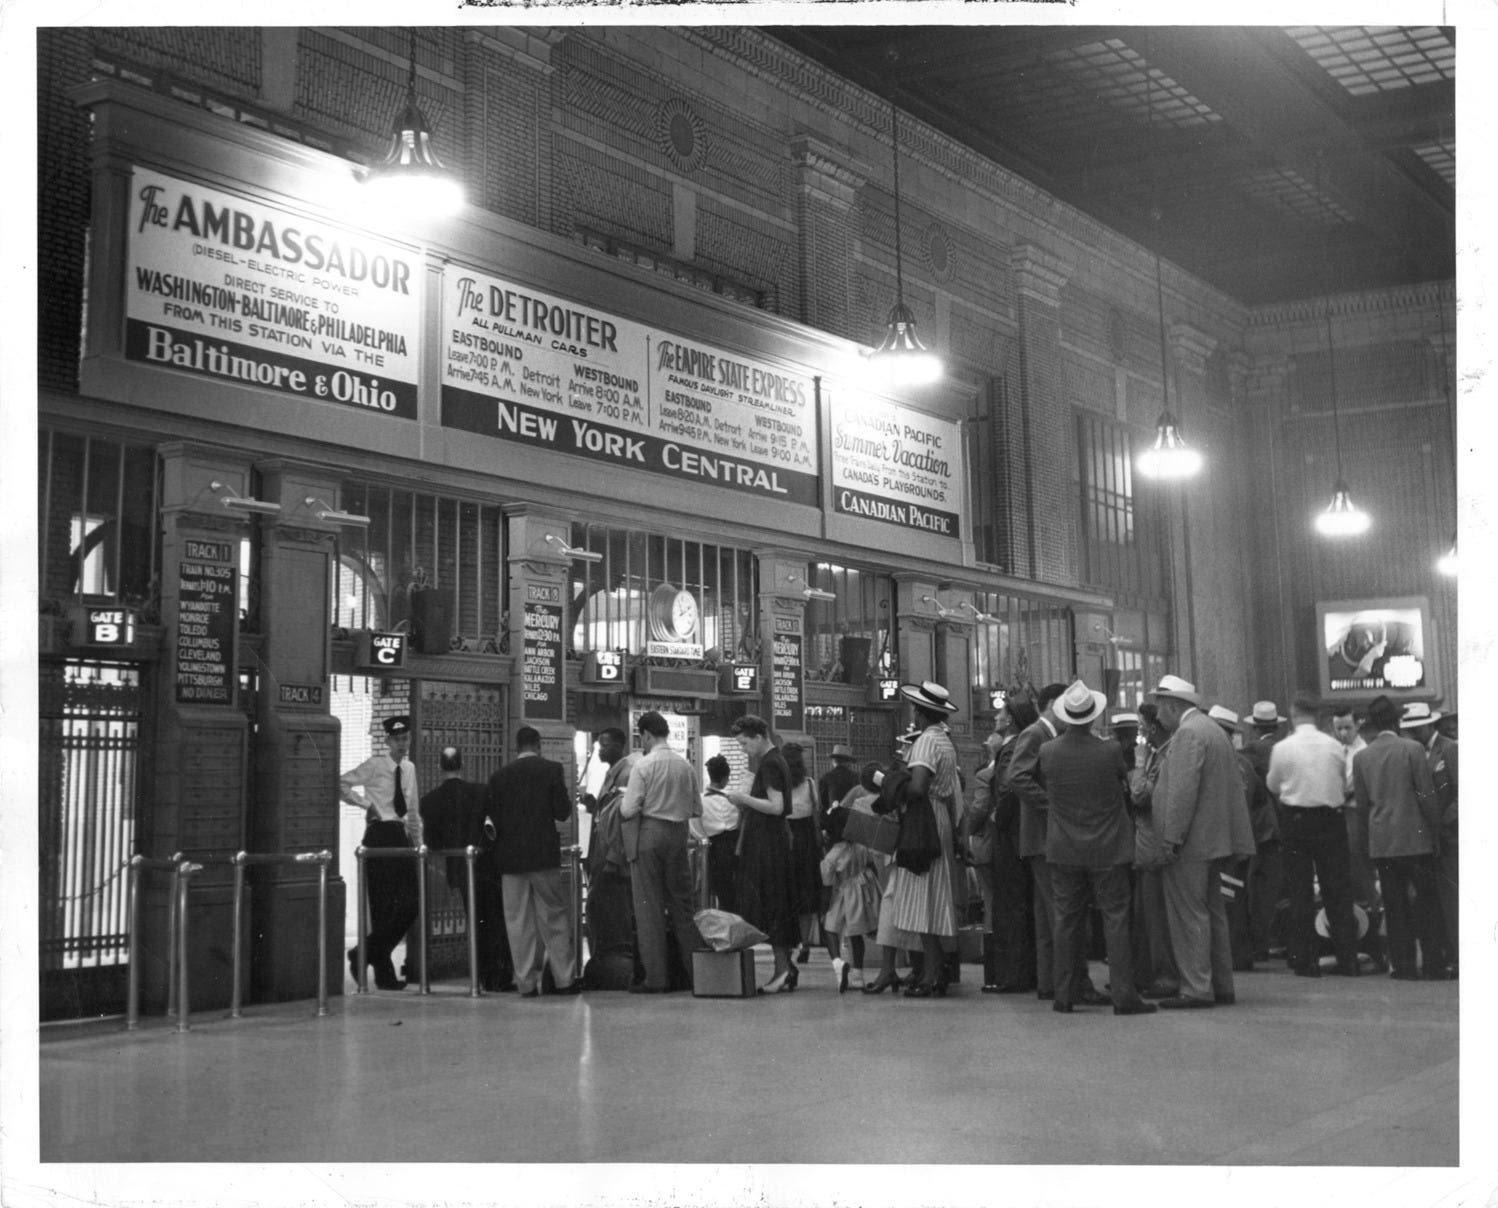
[(1286, 190), (1369, 59), (89, 751), (1112, 73), (1440, 157), (1027, 642), (1120, 550)]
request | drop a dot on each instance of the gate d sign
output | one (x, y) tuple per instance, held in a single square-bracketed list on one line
[(603, 667)]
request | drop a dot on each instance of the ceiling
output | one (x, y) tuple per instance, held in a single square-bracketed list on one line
[(1273, 163)]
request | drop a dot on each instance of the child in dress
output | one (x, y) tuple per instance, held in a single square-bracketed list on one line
[(853, 911)]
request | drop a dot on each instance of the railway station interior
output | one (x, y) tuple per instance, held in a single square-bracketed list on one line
[(703, 370)]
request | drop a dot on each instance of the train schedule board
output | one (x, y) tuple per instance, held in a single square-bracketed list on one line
[(530, 368), (207, 615)]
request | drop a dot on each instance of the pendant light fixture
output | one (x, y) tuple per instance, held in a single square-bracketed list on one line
[(901, 359), (411, 179), (1170, 457), (1342, 517)]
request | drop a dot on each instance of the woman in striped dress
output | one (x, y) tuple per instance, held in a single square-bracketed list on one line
[(918, 909)]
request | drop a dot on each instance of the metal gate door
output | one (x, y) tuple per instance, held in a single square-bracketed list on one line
[(89, 752), (470, 717)]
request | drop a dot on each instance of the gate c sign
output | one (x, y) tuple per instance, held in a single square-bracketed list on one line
[(381, 651), (105, 626)]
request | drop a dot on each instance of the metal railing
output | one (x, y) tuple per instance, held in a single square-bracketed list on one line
[(322, 859), (574, 856), (178, 999), (420, 854)]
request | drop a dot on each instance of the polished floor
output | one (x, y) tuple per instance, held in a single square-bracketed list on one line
[(1329, 1073)]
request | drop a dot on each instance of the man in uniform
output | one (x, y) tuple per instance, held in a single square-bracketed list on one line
[(388, 787), (453, 816)]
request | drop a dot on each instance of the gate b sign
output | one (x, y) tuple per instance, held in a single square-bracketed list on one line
[(104, 627)]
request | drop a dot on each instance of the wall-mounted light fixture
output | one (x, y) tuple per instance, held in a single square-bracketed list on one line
[(572, 551), (326, 511), (411, 178), (243, 503), (983, 618), (808, 591), (945, 613)]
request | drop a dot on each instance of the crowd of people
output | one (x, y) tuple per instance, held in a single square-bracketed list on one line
[(1194, 844)]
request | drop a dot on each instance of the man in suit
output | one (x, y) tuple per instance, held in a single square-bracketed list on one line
[(612, 961), (1202, 817), (388, 787), (1089, 843), (1023, 780), (452, 815), (1155, 963), (1392, 782), (664, 795), (527, 798), (1419, 722), (1237, 874)]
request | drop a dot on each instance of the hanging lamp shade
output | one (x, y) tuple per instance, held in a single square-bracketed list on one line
[(1170, 457), (901, 359), (1342, 517), (411, 178)]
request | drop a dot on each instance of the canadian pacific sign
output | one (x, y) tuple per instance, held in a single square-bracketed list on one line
[(244, 293), (897, 466), (526, 367)]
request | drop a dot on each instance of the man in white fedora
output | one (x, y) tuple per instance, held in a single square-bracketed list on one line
[(1419, 722), (1195, 801), (1089, 843)]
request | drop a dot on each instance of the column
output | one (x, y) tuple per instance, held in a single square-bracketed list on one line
[(297, 745), (782, 642), (827, 185), (1047, 550)]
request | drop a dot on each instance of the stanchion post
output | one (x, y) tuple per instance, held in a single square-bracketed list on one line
[(132, 992), (184, 1007), (173, 896), (421, 916), (575, 908), (236, 994), (469, 853), (361, 978), (323, 857)]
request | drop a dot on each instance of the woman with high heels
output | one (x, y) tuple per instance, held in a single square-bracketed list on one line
[(922, 904), (762, 880)]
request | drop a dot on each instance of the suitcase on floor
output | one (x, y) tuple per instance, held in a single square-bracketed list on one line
[(723, 974)]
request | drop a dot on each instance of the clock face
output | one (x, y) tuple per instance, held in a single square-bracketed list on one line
[(684, 614)]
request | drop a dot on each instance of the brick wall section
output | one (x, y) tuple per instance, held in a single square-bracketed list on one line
[(63, 197)]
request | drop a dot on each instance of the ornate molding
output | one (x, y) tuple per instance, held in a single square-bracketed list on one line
[(1038, 273), (1428, 295), (1192, 347)]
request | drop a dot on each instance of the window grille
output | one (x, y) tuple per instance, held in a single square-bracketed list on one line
[(1120, 547), (853, 636), (1027, 642)]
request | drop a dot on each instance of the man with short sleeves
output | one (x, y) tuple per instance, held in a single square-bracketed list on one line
[(1306, 774), (1089, 843), (1393, 785), (527, 798), (388, 786), (663, 793)]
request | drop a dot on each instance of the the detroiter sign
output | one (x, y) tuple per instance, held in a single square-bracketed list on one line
[(897, 466), (245, 293), (524, 366)]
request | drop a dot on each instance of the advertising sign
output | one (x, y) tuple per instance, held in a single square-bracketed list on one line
[(527, 367), (897, 466), (542, 662), (242, 292), (1372, 647), (207, 615)]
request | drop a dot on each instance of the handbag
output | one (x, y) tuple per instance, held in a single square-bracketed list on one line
[(919, 842)]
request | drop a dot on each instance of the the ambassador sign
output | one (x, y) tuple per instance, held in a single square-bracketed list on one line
[(244, 293)]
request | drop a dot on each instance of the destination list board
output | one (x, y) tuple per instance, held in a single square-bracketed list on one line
[(542, 662), (231, 289), (897, 466), (543, 371), (207, 613), (787, 689)]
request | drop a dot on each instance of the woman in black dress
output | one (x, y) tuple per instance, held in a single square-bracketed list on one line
[(806, 849), (762, 882)]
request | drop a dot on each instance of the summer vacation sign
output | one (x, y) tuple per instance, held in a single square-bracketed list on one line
[(531, 368), (897, 466), (246, 293)]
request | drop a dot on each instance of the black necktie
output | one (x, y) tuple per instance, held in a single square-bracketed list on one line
[(400, 793)]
